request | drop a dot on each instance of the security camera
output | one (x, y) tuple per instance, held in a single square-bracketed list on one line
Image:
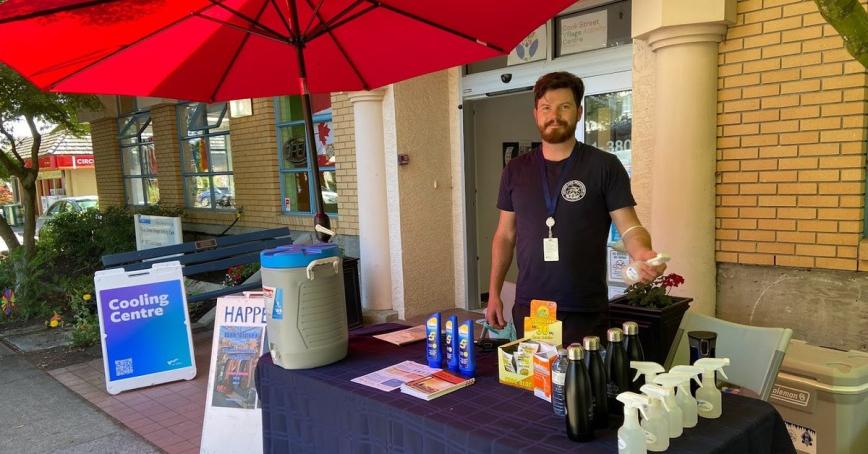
[(505, 78)]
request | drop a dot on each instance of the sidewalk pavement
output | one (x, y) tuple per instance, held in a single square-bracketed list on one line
[(40, 415)]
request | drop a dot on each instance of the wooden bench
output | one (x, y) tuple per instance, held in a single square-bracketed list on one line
[(215, 254)]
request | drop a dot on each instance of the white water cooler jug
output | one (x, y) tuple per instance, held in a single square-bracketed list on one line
[(304, 289)]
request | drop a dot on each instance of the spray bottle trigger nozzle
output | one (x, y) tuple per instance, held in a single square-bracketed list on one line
[(658, 260)]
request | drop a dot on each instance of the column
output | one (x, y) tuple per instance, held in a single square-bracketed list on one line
[(374, 260), (685, 150)]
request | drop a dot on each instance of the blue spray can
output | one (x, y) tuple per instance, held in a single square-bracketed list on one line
[(466, 350), (452, 343), (433, 353)]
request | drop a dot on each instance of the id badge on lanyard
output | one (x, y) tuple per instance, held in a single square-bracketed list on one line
[(550, 244)]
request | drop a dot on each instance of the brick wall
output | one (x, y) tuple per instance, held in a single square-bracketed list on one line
[(164, 123), (255, 167), (792, 127), (107, 162), (345, 164), (254, 161)]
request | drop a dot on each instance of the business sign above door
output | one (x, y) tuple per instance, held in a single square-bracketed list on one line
[(51, 162)]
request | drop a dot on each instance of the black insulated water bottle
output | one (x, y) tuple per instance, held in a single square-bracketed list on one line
[(633, 346), (599, 384), (578, 391), (617, 369)]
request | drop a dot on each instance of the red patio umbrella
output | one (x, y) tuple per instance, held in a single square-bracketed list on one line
[(218, 50)]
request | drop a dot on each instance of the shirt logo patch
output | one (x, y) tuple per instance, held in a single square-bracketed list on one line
[(573, 191)]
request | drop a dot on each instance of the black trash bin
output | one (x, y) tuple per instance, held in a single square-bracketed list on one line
[(352, 291)]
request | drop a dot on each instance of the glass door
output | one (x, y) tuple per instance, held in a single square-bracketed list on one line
[(607, 123)]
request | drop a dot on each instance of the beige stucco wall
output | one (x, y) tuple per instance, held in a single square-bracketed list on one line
[(81, 182), (643, 129), (459, 244), (422, 124)]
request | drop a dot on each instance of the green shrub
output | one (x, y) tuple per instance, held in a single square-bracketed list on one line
[(76, 242), (68, 253), (82, 303), (36, 293)]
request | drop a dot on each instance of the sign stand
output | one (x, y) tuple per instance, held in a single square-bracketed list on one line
[(233, 411), (144, 327)]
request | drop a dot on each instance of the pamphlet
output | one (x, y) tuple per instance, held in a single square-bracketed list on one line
[(392, 377), (404, 336), (435, 385)]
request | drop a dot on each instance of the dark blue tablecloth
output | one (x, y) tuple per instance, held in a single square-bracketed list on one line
[(321, 411)]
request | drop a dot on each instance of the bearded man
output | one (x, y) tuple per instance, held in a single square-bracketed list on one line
[(556, 206)]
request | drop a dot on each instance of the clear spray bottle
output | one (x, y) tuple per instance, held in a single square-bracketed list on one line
[(631, 436), (676, 423), (647, 370), (708, 396), (631, 271), (656, 425), (686, 400)]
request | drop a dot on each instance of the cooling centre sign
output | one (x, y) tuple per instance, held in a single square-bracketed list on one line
[(145, 327)]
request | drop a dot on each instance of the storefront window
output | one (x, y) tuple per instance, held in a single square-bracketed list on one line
[(297, 178), (609, 122), (206, 156), (138, 159)]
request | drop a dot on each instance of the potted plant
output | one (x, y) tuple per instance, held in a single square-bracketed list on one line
[(657, 313)]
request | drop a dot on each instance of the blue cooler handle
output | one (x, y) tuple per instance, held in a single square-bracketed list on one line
[(334, 261)]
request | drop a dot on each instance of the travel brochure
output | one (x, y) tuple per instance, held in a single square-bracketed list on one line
[(435, 385), (392, 377), (404, 336)]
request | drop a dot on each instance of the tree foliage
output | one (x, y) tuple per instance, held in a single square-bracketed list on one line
[(20, 100), (850, 20)]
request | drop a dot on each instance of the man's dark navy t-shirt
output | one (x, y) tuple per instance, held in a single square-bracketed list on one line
[(596, 184)]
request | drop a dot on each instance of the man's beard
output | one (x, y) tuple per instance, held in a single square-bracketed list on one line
[(560, 135)]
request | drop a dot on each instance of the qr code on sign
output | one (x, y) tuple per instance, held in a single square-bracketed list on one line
[(123, 366)]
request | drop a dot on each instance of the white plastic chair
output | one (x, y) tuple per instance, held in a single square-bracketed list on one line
[(755, 352)]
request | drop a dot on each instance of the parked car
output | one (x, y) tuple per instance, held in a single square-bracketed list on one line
[(222, 195), (71, 204)]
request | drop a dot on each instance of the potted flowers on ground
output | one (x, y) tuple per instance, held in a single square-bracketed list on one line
[(656, 311)]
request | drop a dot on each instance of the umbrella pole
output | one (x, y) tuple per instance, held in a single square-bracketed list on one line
[(320, 218)]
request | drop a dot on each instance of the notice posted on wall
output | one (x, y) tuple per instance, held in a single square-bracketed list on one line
[(233, 415), (617, 261), (157, 231)]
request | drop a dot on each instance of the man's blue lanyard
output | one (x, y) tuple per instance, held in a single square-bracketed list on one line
[(552, 202)]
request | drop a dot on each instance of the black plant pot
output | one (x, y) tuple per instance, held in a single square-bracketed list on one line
[(657, 327)]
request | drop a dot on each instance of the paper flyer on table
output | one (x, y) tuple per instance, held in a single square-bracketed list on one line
[(392, 377), (404, 336)]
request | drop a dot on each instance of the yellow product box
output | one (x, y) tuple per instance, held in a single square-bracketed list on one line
[(512, 371), (544, 330), (543, 360), (544, 310)]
